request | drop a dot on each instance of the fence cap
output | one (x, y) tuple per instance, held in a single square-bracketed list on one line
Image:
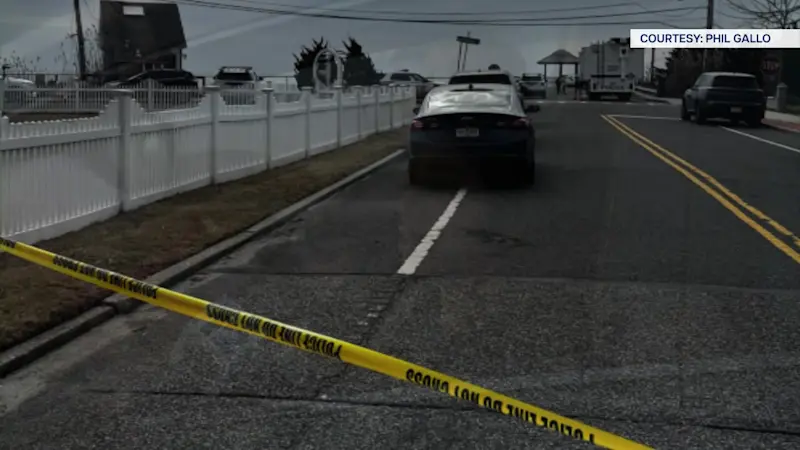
[(124, 92), (267, 90), (307, 88), (212, 88)]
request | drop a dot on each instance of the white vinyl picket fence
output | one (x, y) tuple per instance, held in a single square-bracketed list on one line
[(60, 176)]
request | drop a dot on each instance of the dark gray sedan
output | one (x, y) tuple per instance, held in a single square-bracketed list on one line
[(481, 125)]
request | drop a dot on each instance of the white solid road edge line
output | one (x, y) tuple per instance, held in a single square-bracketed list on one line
[(766, 141), (418, 255)]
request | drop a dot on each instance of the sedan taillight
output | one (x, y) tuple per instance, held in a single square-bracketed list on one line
[(518, 123), (418, 124)]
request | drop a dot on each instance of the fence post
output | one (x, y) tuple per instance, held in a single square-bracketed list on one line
[(307, 100), (3, 134), (392, 88), (269, 101), (2, 96), (150, 94), (124, 161), (357, 90), (376, 91), (781, 97), (77, 104), (337, 91), (213, 93)]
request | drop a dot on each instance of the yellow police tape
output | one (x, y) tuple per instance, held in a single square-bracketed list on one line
[(319, 344)]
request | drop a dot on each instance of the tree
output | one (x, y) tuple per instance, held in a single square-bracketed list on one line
[(93, 47), (304, 63), (16, 64), (684, 65), (769, 13), (359, 70)]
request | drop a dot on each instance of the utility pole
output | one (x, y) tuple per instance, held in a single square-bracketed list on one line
[(465, 42), (81, 41), (709, 26), (466, 48), (460, 49), (653, 65)]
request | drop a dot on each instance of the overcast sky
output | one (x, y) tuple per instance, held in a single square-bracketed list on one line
[(36, 28)]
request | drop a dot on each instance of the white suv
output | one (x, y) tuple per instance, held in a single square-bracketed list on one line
[(422, 84), (232, 78)]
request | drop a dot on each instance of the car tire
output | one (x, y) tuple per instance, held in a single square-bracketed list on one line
[(529, 173), (415, 175), (684, 112), (754, 122), (699, 116)]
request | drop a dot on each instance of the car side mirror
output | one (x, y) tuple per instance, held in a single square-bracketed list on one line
[(416, 110), (532, 108)]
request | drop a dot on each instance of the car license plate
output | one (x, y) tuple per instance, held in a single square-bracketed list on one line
[(467, 132), (736, 109)]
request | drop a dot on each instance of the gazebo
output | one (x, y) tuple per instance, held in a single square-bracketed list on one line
[(559, 57)]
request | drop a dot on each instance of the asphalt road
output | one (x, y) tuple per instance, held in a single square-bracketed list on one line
[(616, 291)]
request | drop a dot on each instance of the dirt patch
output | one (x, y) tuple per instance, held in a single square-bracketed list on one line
[(147, 240)]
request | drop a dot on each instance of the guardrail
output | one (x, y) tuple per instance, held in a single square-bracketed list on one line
[(60, 176)]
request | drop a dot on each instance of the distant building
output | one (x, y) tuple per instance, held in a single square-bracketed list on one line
[(137, 36)]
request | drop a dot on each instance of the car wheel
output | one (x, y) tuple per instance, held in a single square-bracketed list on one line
[(684, 112), (414, 173), (754, 122), (699, 116), (529, 173)]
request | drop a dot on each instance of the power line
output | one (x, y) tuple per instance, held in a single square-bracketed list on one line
[(391, 12), (492, 22)]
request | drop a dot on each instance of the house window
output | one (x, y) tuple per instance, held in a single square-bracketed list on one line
[(132, 10)]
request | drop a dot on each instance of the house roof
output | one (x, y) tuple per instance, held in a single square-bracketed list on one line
[(560, 56), (158, 29)]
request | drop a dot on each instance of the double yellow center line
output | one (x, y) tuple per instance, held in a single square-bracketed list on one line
[(720, 193)]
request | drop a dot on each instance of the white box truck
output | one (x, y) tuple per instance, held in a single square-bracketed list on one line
[(611, 68)]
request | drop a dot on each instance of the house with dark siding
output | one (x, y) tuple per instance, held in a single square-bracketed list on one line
[(140, 35)]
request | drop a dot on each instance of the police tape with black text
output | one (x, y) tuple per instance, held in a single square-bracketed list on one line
[(319, 344)]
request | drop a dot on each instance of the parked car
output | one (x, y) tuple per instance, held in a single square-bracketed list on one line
[(470, 123), (422, 84), (239, 84), (173, 88), (236, 77), (730, 95), (533, 85), (166, 77)]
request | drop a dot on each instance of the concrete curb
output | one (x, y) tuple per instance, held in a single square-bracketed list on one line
[(773, 126), (23, 354)]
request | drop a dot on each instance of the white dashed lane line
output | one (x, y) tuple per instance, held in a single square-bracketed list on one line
[(424, 247)]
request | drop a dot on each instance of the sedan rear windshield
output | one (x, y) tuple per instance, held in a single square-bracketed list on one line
[(487, 79), (735, 82), (471, 99)]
